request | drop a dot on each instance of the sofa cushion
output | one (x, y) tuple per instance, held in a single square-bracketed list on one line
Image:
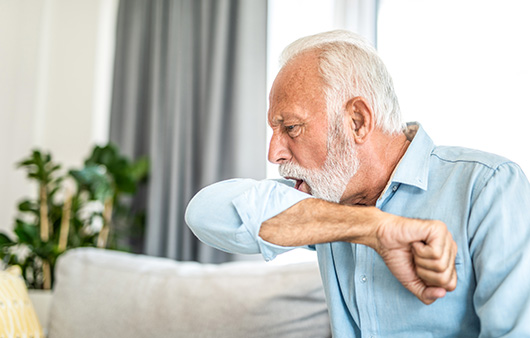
[(17, 316), (100, 293)]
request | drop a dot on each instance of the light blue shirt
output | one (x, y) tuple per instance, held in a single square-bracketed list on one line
[(485, 201)]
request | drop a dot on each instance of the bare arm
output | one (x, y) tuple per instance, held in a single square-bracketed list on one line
[(420, 253)]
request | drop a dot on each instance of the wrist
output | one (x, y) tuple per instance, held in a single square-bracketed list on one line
[(368, 226)]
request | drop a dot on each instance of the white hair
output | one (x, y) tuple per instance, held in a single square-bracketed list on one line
[(350, 67)]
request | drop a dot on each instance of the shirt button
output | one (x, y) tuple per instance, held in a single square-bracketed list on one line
[(394, 188), (363, 279)]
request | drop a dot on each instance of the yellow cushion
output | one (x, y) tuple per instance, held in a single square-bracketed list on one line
[(17, 316)]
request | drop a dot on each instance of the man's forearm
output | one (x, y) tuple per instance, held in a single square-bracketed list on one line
[(419, 253), (314, 221)]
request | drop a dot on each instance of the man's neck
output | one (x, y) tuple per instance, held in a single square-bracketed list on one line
[(378, 161)]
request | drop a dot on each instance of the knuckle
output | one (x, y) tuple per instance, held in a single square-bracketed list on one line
[(453, 282), (442, 279), (437, 253), (449, 280), (439, 267), (440, 226)]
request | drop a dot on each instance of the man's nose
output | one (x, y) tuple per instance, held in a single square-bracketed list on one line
[(278, 149)]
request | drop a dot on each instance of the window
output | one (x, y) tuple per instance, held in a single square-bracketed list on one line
[(461, 68)]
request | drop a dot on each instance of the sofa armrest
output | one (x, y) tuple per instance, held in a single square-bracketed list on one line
[(41, 300)]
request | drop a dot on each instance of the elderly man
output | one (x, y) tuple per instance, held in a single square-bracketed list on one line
[(364, 189)]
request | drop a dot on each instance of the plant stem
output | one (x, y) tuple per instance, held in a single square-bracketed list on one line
[(44, 224), (107, 216), (47, 275), (65, 224), (45, 235)]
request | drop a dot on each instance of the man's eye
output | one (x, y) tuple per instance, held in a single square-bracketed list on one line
[(293, 130)]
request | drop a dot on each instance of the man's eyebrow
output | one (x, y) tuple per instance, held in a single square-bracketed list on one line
[(282, 118), (276, 120)]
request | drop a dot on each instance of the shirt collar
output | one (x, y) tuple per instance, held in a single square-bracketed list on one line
[(413, 168)]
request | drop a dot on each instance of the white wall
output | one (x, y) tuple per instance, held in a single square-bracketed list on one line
[(56, 65)]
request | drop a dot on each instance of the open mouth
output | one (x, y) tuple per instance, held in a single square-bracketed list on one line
[(298, 182)]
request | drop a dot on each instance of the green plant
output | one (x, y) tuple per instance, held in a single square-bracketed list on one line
[(83, 207)]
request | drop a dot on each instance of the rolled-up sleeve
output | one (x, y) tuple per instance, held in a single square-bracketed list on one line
[(228, 215)]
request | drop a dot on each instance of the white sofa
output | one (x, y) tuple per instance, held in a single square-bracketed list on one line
[(101, 293)]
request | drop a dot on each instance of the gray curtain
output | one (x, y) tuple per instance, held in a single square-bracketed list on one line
[(190, 92)]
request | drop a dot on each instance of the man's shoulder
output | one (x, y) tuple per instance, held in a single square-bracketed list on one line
[(468, 156)]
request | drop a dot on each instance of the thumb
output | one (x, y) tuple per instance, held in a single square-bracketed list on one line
[(427, 294), (431, 294)]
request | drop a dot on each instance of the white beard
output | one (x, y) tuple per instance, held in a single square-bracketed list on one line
[(329, 182)]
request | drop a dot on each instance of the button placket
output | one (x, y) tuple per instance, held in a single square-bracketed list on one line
[(365, 291)]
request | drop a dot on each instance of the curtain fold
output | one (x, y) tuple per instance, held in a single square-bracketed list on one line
[(190, 92)]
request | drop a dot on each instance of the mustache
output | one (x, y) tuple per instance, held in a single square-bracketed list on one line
[(312, 177), (294, 170), (323, 183)]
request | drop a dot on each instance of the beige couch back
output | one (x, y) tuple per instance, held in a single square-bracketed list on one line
[(101, 293)]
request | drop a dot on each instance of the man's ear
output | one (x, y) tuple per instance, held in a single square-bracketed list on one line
[(361, 118)]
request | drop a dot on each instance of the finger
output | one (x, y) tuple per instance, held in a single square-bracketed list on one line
[(437, 272), (423, 256), (434, 249), (431, 294), (440, 264), (446, 279), (436, 265), (426, 294)]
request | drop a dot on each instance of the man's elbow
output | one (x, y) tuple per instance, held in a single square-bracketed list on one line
[(194, 215)]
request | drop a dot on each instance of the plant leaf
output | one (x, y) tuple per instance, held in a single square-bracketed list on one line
[(140, 169), (27, 205), (27, 233), (6, 241)]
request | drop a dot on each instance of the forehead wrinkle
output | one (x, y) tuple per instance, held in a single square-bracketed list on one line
[(298, 92), (295, 100)]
